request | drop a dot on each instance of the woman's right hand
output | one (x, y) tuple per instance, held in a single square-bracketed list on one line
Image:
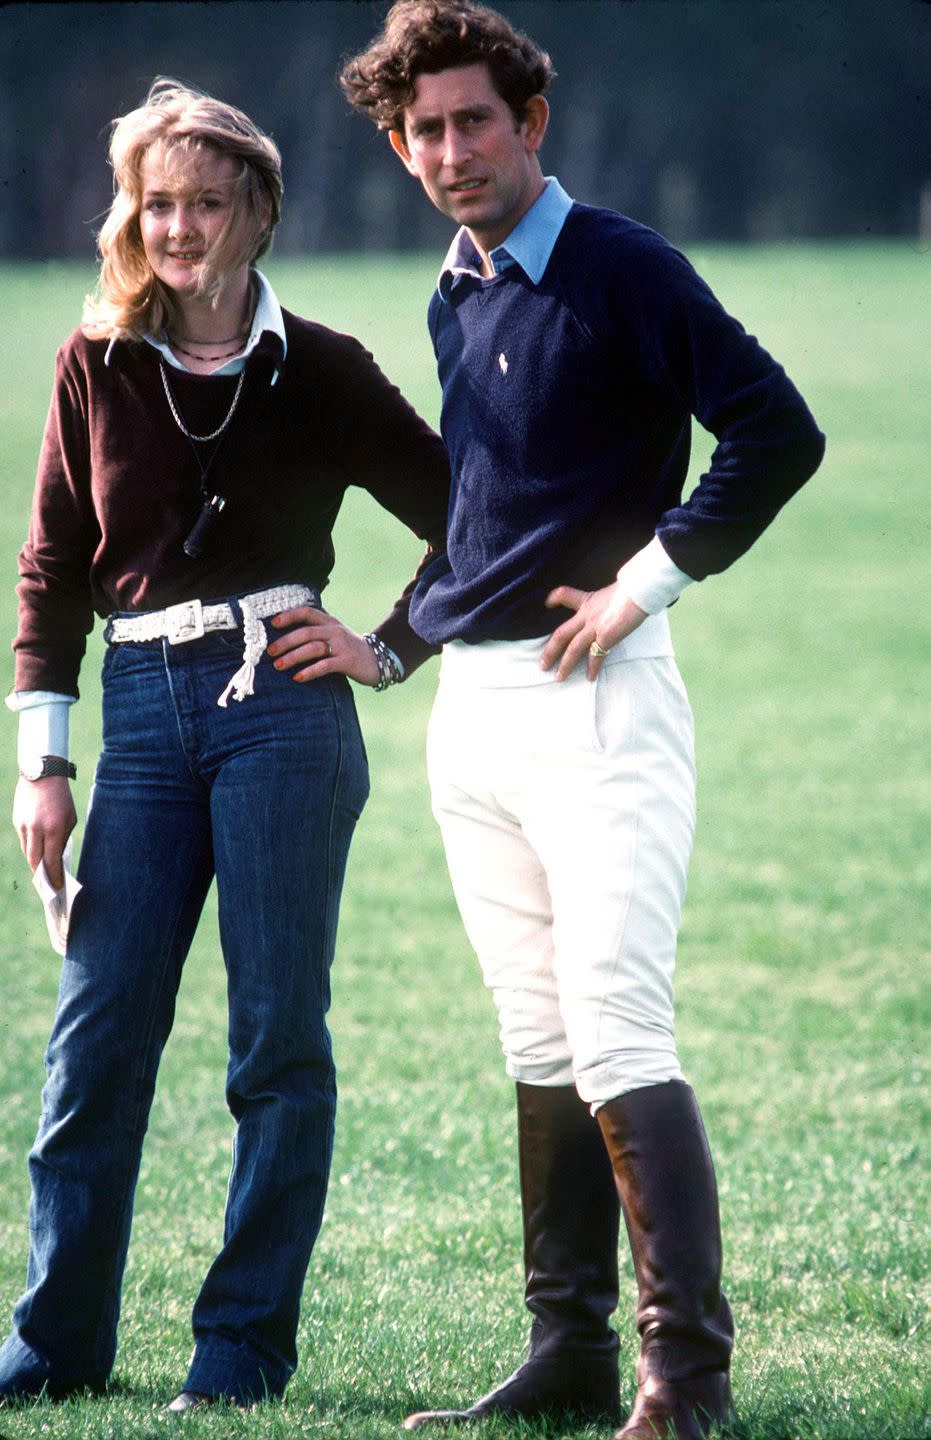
[(321, 645), (43, 818)]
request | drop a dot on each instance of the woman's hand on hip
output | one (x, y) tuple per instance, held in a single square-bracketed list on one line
[(602, 618), (316, 644), (43, 818)]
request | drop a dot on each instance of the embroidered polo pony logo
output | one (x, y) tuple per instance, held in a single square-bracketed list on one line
[(503, 363)]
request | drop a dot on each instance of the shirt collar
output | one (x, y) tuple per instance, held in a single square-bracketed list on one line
[(529, 245), (267, 321)]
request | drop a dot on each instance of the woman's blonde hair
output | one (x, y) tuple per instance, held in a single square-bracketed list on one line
[(130, 300)]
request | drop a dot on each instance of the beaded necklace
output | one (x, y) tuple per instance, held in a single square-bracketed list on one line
[(227, 354)]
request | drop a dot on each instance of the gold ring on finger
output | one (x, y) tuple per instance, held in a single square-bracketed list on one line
[(597, 650)]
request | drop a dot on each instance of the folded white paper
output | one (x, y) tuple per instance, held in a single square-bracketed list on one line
[(57, 903)]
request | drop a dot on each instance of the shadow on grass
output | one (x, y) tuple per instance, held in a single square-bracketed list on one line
[(348, 1402)]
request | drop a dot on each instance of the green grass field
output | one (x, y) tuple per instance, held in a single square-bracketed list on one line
[(801, 995)]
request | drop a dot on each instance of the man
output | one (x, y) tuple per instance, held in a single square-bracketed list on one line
[(573, 347)]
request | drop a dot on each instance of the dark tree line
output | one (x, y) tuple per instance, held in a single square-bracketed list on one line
[(710, 119)]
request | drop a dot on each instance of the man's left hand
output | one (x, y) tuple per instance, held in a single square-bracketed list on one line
[(602, 617)]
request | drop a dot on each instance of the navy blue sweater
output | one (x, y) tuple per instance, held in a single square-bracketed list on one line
[(567, 415)]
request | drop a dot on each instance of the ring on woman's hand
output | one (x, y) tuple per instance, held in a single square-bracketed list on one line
[(329, 649), (597, 650)]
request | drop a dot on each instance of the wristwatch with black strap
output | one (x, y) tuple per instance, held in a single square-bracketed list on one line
[(48, 765)]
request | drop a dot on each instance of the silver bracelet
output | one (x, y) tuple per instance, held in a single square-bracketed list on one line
[(388, 672)]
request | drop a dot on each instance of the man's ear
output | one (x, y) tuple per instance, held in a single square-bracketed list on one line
[(535, 121), (399, 146)]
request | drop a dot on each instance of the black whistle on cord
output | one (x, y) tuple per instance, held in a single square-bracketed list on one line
[(203, 526)]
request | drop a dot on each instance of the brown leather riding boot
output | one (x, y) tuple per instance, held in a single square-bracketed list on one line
[(571, 1221), (665, 1178)]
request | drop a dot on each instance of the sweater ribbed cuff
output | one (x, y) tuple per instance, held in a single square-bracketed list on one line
[(651, 579)]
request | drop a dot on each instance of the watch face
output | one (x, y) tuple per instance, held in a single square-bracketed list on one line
[(47, 765)]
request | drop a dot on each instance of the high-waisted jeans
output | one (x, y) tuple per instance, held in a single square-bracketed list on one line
[(264, 794)]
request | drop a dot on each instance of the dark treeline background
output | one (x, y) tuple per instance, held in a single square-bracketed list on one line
[(709, 119)]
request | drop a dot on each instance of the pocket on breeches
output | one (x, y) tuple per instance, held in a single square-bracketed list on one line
[(612, 706)]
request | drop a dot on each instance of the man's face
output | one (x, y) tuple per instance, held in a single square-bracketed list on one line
[(476, 163)]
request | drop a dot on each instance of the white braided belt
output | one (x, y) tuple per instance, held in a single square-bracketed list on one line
[(191, 619)]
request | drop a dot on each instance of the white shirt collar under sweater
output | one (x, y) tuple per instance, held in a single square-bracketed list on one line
[(267, 316)]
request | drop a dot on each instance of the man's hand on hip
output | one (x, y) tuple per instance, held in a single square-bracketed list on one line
[(602, 618)]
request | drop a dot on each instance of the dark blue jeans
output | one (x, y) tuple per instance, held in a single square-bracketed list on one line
[(265, 795)]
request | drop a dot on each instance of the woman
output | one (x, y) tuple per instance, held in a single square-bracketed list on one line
[(198, 447)]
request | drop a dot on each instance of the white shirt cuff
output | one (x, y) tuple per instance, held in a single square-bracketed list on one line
[(651, 579), (43, 724)]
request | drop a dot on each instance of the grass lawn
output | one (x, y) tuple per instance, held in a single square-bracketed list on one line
[(802, 977)]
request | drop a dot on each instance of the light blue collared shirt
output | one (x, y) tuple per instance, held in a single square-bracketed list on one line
[(650, 578), (529, 245)]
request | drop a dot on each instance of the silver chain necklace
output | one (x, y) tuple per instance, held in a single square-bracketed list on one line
[(214, 434)]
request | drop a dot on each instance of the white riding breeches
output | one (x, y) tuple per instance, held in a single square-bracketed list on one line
[(567, 812)]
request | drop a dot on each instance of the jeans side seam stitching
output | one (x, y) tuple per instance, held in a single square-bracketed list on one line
[(328, 910)]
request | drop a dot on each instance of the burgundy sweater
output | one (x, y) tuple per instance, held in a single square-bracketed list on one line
[(119, 488)]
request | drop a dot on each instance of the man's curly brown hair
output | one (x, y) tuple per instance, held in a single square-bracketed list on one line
[(423, 37)]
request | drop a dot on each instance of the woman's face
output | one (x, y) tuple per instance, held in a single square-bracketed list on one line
[(185, 211)]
